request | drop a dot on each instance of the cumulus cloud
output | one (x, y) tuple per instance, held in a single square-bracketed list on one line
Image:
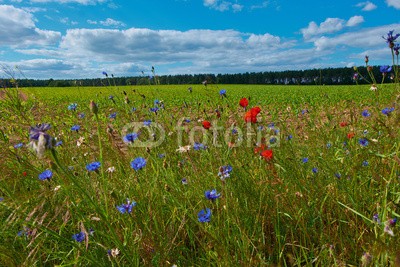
[(393, 3), (367, 6), (354, 21), (330, 25), (222, 5), (17, 28), (112, 23), (82, 2), (367, 38)]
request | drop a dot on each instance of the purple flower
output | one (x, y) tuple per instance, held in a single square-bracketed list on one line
[(81, 115), (365, 163), (111, 97), (204, 215), (363, 141), (387, 111), (199, 146), (212, 195), (75, 128), (390, 39), (225, 172), (155, 109), (46, 175), (130, 137), (138, 163), (112, 115), (126, 208), (59, 143), (184, 181), (19, 145), (147, 122), (365, 113), (375, 218), (72, 106), (39, 130), (396, 49), (94, 166), (79, 237), (385, 69)]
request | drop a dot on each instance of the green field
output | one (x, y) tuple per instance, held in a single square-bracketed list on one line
[(325, 194)]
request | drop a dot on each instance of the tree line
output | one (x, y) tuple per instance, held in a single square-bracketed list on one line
[(327, 76)]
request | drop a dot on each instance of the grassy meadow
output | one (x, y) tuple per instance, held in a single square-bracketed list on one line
[(125, 176)]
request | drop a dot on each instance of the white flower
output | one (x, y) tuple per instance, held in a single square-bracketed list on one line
[(111, 169), (57, 188), (80, 141), (114, 252), (182, 149), (373, 88)]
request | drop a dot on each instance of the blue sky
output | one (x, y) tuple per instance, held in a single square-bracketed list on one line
[(68, 39)]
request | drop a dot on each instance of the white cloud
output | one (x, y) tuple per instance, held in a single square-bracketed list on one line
[(112, 23), (330, 25), (367, 6), (367, 38), (82, 2), (93, 22), (354, 21), (393, 3), (17, 28), (222, 5), (262, 5)]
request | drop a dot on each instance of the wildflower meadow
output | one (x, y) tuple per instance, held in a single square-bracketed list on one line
[(203, 174)]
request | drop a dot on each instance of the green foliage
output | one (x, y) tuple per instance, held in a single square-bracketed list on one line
[(271, 212)]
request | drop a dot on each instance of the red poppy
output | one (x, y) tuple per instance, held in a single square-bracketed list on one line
[(267, 154), (260, 148), (206, 125), (351, 135), (343, 124), (244, 102), (251, 115), (24, 173)]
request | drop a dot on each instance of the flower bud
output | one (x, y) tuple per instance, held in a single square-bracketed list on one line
[(93, 107)]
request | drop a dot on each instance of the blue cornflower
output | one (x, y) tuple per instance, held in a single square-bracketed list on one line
[(304, 111), (79, 237), (375, 218), (385, 69), (161, 156), (81, 115), (75, 128), (112, 115), (187, 120), (365, 113), (289, 137), (273, 140), (365, 163), (222, 92), (184, 181), (212, 194), (328, 145), (72, 106), (133, 109), (138, 163), (204, 215), (130, 137), (199, 146), (225, 172), (38, 130), (396, 49), (1, 199), (234, 131), (156, 102), (126, 208), (105, 73), (387, 111), (363, 141), (94, 166), (314, 170), (59, 143), (338, 175), (155, 109), (46, 175), (19, 145), (147, 122), (304, 160), (111, 97), (391, 38)]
